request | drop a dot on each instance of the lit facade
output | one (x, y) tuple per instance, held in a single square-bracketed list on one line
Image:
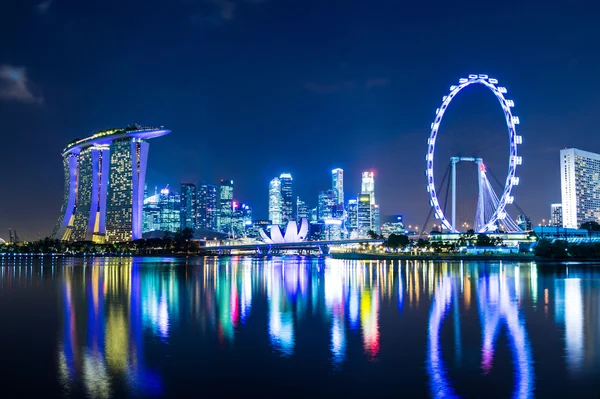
[(368, 185), (151, 218), (287, 199), (580, 187), (352, 221), (302, 211), (327, 204), (188, 206), (556, 217), (169, 205), (104, 185), (207, 200), (337, 184), (396, 226), (275, 211), (225, 206), (363, 215)]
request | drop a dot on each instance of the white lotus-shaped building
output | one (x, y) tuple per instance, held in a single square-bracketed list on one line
[(292, 234)]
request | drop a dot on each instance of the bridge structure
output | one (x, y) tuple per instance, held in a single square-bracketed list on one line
[(300, 248)]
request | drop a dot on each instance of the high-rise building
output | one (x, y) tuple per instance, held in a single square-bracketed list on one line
[(188, 206), (302, 211), (556, 217), (394, 226), (151, 217), (207, 211), (524, 223), (104, 185), (225, 206), (337, 183), (375, 219), (368, 185), (275, 202), (363, 215), (241, 219), (580, 187), (326, 204), (352, 221), (287, 199), (169, 205)]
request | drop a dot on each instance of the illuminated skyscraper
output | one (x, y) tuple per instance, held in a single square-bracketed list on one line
[(275, 212), (363, 217), (188, 206), (287, 199), (337, 183), (556, 217), (580, 187), (352, 221), (368, 185), (207, 207), (151, 218), (225, 206), (169, 204), (368, 188), (302, 211), (104, 185), (326, 204)]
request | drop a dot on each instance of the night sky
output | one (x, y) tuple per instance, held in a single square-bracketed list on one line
[(254, 88)]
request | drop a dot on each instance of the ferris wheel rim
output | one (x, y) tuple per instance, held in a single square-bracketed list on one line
[(514, 158)]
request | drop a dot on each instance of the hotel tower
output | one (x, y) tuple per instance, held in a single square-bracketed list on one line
[(104, 185)]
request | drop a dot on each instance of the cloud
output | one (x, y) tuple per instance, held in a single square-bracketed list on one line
[(226, 8), (329, 88), (16, 86), (376, 82), (44, 6)]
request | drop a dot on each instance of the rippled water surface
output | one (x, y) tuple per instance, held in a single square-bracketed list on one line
[(287, 327)]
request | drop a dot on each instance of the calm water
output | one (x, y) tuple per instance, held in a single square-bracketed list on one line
[(202, 327)]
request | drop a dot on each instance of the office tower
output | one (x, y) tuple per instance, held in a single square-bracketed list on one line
[(275, 202), (394, 226), (241, 220), (326, 204), (287, 200), (225, 206), (363, 215), (352, 221), (368, 185), (207, 211), (169, 204), (375, 219), (104, 185), (151, 217), (301, 210), (337, 183), (188, 206), (556, 217), (524, 222), (580, 187), (314, 215)]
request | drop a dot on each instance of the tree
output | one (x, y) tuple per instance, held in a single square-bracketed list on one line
[(590, 226), (372, 235), (396, 241), (483, 240)]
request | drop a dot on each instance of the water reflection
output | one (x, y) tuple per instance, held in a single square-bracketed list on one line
[(121, 319)]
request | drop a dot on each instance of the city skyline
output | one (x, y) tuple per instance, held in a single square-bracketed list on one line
[(222, 108)]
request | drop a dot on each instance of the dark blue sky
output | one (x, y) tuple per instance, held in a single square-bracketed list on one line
[(253, 88)]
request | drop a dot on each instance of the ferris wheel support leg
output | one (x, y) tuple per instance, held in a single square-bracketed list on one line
[(480, 218), (453, 196)]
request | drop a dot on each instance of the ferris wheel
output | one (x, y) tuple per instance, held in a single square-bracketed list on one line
[(491, 209)]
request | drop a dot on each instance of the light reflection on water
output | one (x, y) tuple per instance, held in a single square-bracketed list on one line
[(137, 325)]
